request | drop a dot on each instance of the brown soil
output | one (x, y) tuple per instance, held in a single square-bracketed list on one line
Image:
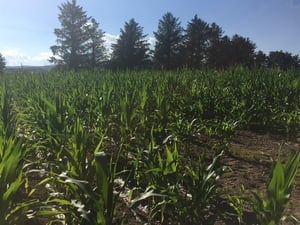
[(250, 159)]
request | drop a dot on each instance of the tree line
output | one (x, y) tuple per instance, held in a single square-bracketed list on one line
[(2, 63), (80, 44)]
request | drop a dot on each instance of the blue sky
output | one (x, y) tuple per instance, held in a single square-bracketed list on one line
[(26, 27)]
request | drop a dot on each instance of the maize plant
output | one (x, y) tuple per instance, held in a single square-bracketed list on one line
[(70, 135), (12, 156), (269, 209)]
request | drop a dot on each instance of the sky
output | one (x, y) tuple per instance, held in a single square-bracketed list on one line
[(26, 26)]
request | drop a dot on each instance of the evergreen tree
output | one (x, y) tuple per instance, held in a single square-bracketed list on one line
[(215, 33), (227, 52), (216, 42), (219, 53), (260, 59), (197, 42), (2, 63), (169, 41), (132, 49), (283, 60), (96, 50), (72, 38), (242, 51), (296, 61)]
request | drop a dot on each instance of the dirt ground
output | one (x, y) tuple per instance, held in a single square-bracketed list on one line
[(250, 161)]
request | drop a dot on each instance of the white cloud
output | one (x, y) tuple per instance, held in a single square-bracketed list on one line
[(151, 41), (112, 39), (16, 57), (109, 40), (42, 57)]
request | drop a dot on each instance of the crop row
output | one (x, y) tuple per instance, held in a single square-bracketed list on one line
[(76, 144)]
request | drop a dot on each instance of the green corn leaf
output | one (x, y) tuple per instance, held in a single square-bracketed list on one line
[(49, 105), (51, 212), (147, 194), (61, 202), (102, 167), (291, 168), (155, 171), (13, 188), (276, 186), (171, 160)]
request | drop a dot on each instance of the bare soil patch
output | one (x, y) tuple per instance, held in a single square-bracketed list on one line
[(250, 159)]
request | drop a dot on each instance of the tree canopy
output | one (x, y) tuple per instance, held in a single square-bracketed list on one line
[(283, 60), (169, 40), (79, 41), (80, 44), (260, 59), (242, 51), (197, 42), (2, 63), (132, 49), (96, 50)]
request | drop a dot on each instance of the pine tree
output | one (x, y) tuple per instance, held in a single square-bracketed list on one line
[(218, 45), (242, 51), (132, 49), (219, 52), (169, 38), (197, 42), (260, 59), (225, 52), (283, 60), (95, 47), (2, 63), (72, 38)]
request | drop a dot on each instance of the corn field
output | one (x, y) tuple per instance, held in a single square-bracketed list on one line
[(75, 145)]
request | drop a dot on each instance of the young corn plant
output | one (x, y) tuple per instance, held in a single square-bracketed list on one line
[(162, 170), (11, 179), (269, 208), (237, 202), (200, 205), (11, 164), (83, 193)]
